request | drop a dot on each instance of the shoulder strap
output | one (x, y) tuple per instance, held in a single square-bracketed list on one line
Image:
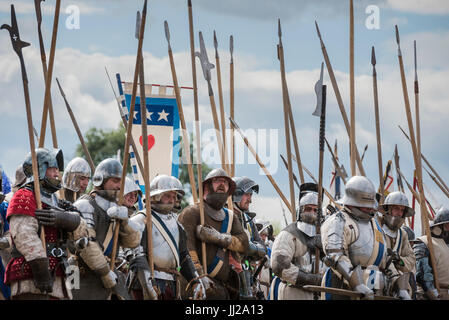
[(217, 263), (379, 245)]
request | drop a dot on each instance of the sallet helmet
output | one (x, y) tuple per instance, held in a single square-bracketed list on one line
[(243, 185), (77, 167), (106, 169)]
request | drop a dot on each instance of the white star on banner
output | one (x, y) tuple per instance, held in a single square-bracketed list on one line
[(163, 115), (149, 115)]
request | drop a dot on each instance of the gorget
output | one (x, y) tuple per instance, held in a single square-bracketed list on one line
[(307, 228), (389, 232), (103, 203), (217, 215)]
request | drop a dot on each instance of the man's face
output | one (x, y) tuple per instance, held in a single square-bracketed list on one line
[(245, 201), (220, 185), (83, 183), (310, 208), (446, 227), (112, 184), (130, 199), (397, 210), (52, 172), (169, 197)]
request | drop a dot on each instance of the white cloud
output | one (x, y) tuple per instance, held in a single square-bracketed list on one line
[(437, 7), (27, 7)]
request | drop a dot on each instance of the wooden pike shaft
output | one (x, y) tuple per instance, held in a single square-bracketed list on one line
[(49, 76), (77, 129), (417, 159), (339, 99), (231, 101), (146, 166), (262, 166), (222, 113), (197, 131), (352, 86), (128, 131), (376, 113), (438, 184), (37, 190), (185, 136), (44, 69), (418, 125), (286, 126)]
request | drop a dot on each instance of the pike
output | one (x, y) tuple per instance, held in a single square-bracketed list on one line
[(338, 96), (197, 131), (364, 151), (207, 66), (376, 114), (351, 86), (128, 131), (262, 166), (418, 125), (231, 102), (322, 116), (37, 7), (428, 164), (48, 76), (146, 160), (437, 183), (417, 160), (220, 99), (123, 116), (343, 292), (280, 50), (341, 171), (77, 129), (18, 45), (185, 136), (290, 113), (396, 163)]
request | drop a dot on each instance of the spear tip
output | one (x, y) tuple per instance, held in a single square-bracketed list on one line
[(318, 30), (144, 11), (279, 28), (397, 34), (189, 3), (373, 56), (167, 31)]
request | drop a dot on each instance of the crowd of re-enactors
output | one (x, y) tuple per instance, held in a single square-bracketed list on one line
[(86, 240)]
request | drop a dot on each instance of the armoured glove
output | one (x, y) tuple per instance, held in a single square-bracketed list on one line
[(4, 243), (256, 250), (199, 291), (118, 212), (210, 235), (66, 220), (404, 295), (41, 274), (144, 277), (305, 278), (395, 258), (109, 280), (316, 241), (368, 294), (433, 294)]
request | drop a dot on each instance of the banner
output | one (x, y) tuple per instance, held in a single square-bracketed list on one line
[(162, 128)]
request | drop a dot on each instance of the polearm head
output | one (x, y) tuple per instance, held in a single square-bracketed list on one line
[(205, 64), (13, 29), (416, 69), (167, 34), (319, 93), (138, 22), (231, 48), (62, 92), (295, 179), (318, 32), (216, 46), (234, 123), (373, 60), (37, 7), (398, 41), (279, 46), (189, 3)]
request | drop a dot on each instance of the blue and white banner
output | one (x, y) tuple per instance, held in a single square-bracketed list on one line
[(162, 128)]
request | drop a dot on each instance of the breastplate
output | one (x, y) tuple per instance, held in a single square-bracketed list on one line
[(361, 250), (163, 255)]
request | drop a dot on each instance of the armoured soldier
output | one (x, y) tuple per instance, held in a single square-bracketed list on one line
[(5, 242), (256, 250), (222, 233), (401, 258), (354, 242), (294, 251), (35, 272), (170, 252), (75, 179), (265, 276), (93, 247), (424, 272)]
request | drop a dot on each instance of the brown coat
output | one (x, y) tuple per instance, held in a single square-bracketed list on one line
[(190, 218)]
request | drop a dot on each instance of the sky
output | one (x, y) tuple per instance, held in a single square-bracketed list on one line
[(102, 35)]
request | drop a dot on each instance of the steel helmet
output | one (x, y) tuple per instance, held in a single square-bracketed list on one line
[(164, 183), (108, 168), (400, 199), (220, 173), (359, 192), (243, 185), (77, 167)]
